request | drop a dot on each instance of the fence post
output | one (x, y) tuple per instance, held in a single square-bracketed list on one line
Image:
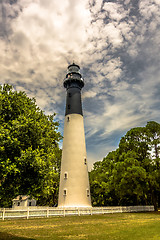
[(102, 211), (121, 209), (79, 212), (91, 211), (47, 212), (112, 210), (27, 213), (64, 213), (3, 213)]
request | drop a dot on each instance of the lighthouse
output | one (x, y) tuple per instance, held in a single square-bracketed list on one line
[(74, 190)]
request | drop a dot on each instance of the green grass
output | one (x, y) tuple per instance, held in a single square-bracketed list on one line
[(124, 226)]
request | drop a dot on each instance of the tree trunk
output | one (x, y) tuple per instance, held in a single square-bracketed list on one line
[(156, 150), (154, 200)]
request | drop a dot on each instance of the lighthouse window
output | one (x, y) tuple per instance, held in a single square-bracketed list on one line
[(67, 119), (87, 192), (85, 161), (65, 175), (64, 192)]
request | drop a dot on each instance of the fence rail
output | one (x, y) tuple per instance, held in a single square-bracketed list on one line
[(33, 212)]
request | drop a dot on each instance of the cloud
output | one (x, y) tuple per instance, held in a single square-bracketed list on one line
[(114, 11), (149, 9), (89, 94)]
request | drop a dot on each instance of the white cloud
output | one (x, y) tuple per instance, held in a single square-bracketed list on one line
[(89, 94), (44, 35), (148, 8), (96, 5), (115, 11), (114, 35)]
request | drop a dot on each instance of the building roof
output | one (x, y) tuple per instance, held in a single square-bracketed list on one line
[(21, 197)]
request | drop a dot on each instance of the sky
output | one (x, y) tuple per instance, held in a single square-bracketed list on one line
[(116, 43)]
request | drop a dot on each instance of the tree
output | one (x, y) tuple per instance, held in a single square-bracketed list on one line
[(131, 174), (29, 151), (101, 184)]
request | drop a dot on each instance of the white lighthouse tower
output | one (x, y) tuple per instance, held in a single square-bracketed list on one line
[(74, 190)]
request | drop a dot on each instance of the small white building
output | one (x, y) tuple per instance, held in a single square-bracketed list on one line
[(23, 201)]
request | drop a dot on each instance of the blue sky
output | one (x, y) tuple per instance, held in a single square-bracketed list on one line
[(115, 42)]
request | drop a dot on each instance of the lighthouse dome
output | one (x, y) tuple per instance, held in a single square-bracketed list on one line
[(73, 68), (73, 77)]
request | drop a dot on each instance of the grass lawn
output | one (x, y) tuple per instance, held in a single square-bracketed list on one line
[(121, 226)]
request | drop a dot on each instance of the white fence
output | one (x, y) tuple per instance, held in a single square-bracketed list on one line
[(32, 212)]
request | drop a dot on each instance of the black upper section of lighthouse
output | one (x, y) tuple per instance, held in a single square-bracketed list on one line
[(73, 84)]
